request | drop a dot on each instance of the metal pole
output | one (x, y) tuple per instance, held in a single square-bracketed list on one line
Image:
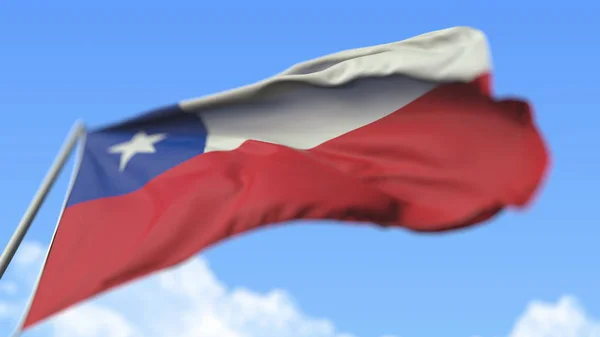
[(59, 162)]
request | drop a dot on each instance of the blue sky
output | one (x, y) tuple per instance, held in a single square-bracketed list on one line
[(105, 60)]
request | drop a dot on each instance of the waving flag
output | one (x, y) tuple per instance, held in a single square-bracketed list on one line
[(404, 134)]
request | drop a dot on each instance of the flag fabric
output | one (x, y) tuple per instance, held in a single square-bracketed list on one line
[(404, 135)]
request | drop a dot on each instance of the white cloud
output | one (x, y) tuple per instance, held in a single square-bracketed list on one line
[(185, 301), (28, 254), (566, 318), (8, 288), (189, 301), (93, 321), (5, 309), (27, 262)]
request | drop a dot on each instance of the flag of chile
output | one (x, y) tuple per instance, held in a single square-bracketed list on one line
[(402, 135)]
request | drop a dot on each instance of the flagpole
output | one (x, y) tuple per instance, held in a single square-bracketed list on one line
[(76, 132)]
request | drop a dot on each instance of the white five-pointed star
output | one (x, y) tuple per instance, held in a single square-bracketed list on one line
[(140, 143)]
